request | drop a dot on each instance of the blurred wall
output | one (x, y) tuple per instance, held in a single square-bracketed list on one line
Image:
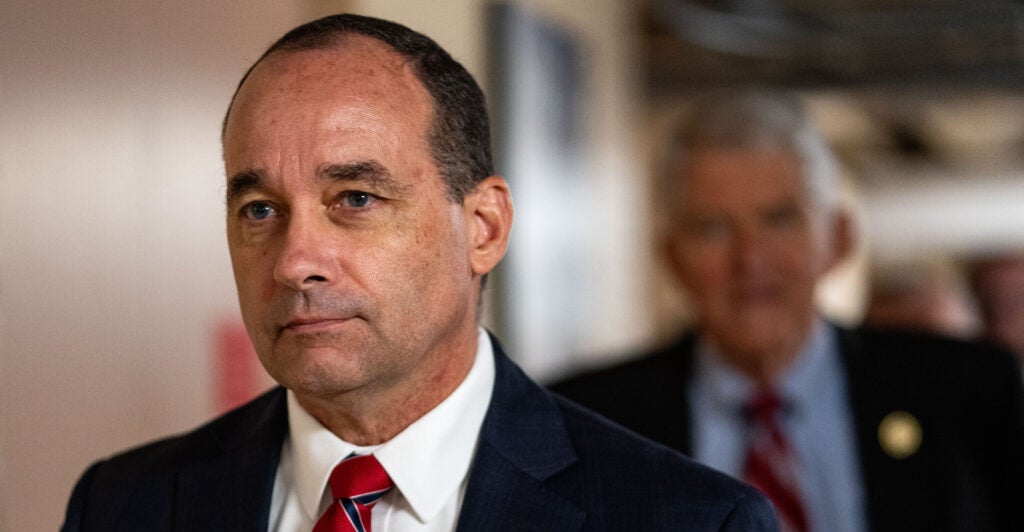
[(113, 267)]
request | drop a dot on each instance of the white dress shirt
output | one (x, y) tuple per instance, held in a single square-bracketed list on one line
[(428, 461), (819, 423)]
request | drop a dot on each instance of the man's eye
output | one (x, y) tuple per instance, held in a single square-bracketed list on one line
[(709, 228), (357, 199), (784, 216), (258, 210)]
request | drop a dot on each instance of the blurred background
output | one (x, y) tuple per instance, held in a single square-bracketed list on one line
[(118, 317)]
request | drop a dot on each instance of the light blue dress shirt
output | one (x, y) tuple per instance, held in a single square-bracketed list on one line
[(819, 423)]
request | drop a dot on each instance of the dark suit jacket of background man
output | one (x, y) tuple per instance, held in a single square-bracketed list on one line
[(542, 463), (969, 471)]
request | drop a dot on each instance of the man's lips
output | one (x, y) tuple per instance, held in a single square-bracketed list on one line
[(313, 325), (314, 311), (756, 294)]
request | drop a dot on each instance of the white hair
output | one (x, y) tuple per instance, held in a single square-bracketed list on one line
[(752, 119)]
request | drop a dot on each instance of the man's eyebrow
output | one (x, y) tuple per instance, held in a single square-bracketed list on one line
[(371, 172), (242, 182)]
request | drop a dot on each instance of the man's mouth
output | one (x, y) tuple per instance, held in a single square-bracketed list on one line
[(311, 325)]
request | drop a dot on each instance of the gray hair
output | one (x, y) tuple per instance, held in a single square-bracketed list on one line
[(751, 119)]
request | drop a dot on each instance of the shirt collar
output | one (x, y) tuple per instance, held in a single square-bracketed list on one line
[(427, 461), (729, 390)]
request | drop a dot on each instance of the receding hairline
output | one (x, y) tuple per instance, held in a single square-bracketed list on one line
[(338, 42)]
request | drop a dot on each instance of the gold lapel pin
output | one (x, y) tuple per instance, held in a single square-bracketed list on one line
[(900, 434)]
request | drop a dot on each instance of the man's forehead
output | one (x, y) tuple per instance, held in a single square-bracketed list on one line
[(764, 158), (357, 67), (356, 83)]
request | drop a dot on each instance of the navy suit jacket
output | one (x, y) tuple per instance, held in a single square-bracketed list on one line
[(542, 463), (968, 473)]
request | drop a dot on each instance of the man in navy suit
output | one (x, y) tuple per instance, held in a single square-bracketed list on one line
[(363, 216), (885, 430)]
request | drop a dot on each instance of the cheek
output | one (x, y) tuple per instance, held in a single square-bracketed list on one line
[(438, 260), (397, 268), (810, 248), (706, 267), (438, 252), (805, 259), (253, 270), (789, 257)]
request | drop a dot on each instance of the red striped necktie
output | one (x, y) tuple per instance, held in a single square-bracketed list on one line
[(771, 464), (357, 483)]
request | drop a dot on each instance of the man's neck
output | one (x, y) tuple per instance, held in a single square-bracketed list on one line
[(764, 364), (377, 413), (763, 367)]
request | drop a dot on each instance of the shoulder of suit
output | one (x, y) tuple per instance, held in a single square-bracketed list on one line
[(961, 382), (611, 451), (671, 361), (224, 431), (895, 348)]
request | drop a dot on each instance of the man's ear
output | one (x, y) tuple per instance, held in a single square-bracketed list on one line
[(674, 262), (844, 238), (489, 211)]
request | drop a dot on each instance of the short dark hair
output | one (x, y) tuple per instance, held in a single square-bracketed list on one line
[(459, 135)]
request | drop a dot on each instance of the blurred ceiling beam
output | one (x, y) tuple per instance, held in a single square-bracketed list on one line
[(696, 44)]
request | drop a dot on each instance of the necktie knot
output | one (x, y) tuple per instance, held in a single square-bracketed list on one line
[(359, 476), (357, 483), (764, 406)]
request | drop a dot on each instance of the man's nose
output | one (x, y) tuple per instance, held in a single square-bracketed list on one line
[(748, 248), (306, 256)]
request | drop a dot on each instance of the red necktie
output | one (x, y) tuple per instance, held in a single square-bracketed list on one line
[(357, 483), (771, 464)]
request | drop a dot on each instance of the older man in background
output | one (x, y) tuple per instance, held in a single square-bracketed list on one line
[(845, 430)]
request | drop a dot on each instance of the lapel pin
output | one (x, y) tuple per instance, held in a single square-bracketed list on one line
[(900, 435)]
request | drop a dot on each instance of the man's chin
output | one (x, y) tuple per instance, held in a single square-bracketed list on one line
[(324, 386), (315, 370), (763, 334)]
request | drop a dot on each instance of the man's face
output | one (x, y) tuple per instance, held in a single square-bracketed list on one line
[(351, 264), (749, 247)]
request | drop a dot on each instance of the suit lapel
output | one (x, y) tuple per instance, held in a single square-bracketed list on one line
[(898, 491), (523, 442), (501, 496), (233, 490), (682, 364)]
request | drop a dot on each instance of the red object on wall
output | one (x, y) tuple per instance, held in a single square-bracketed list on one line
[(238, 376)]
